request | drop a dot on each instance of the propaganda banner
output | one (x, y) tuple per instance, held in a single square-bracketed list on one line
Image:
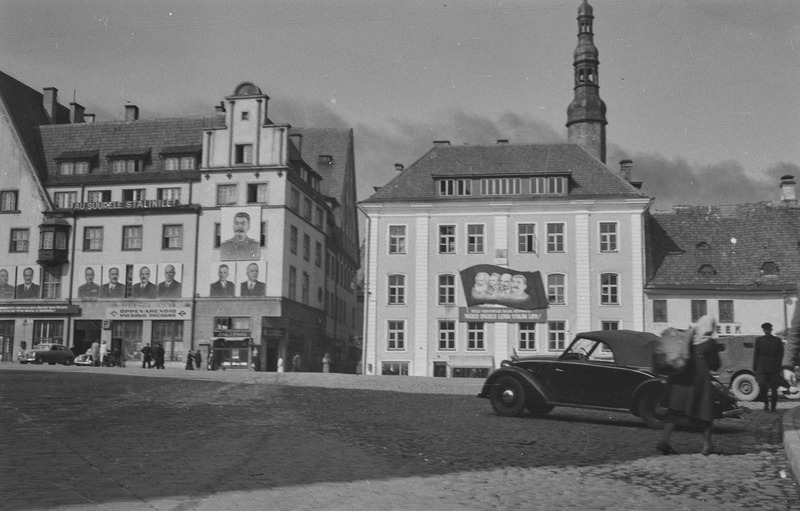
[(521, 291)]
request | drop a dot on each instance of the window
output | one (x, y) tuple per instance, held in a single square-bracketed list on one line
[(318, 254), (448, 187), (132, 237), (134, 194), (319, 218), (257, 193), (397, 335), (244, 153), (447, 289), (293, 239), (325, 159), (245, 116), (65, 200), (609, 289), (447, 239), (92, 239), (294, 200), (397, 239), (475, 336), (698, 309), (180, 163), (526, 235), (397, 289), (169, 194), (556, 289), (307, 206), (124, 166), (660, 311), (19, 240), (8, 200), (556, 335), (306, 285), (226, 195), (609, 325), (48, 330), (51, 282), (53, 240), (726, 311), (394, 368), (551, 185), (98, 196), (707, 270), (217, 235), (608, 237), (527, 336), (292, 282), (263, 237), (306, 247), (170, 333), (501, 186), (172, 237), (555, 238), (447, 334), (66, 168), (475, 239), (81, 167)]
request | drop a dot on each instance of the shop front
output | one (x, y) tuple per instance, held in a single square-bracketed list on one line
[(24, 325)]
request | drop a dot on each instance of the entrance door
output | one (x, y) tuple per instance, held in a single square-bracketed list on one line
[(86, 333), (272, 358), (6, 340)]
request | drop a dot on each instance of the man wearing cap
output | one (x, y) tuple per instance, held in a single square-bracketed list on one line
[(767, 359)]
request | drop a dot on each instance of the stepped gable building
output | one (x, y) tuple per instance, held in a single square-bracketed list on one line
[(736, 262), (475, 253), (199, 232)]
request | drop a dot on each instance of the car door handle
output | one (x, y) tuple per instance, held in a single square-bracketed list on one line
[(559, 370)]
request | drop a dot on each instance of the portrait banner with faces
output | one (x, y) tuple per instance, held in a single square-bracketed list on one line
[(144, 281), (490, 284), (222, 280), (170, 276), (8, 279), (251, 279), (113, 281), (240, 233), (88, 278), (28, 283)]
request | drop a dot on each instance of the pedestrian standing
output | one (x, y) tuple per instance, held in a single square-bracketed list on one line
[(767, 358), (280, 364), (296, 362), (198, 358), (690, 393), (189, 361), (104, 353), (158, 354), (96, 354), (326, 364), (147, 356)]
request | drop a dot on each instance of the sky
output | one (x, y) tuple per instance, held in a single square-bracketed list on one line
[(702, 95)]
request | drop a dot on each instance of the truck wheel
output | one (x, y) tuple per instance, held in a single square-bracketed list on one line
[(745, 387)]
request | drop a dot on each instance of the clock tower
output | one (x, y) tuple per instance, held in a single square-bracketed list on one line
[(586, 115)]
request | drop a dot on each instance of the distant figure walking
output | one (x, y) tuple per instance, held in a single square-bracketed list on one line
[(198, 358), (326, 364), (147, 356), (158, 355), (767, 358), (296, 362), (280, 364), (190, 361)]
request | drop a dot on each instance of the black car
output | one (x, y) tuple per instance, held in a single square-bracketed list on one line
[(606, 369)]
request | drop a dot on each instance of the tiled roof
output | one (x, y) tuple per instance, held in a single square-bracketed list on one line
[(734, 240), (338, 144), (123, 138), (25, 106), (590, 178)]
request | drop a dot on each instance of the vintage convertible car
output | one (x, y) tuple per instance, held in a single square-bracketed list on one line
[(50, 353), (607, 370)]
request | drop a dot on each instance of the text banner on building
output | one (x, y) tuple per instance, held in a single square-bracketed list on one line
[(180, 312), (501, 315), (486, 284)]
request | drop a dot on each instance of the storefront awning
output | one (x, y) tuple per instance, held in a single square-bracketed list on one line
[(471, 361)]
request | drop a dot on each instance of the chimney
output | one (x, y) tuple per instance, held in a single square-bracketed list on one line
[(441, 143), (788, 191), (626, 169), (502, 141), (131, 113), (220, 109), (50, 103), (76, 113), (88, 118), (398, 167)]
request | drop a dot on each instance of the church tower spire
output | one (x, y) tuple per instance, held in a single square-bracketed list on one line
[(586, 115)]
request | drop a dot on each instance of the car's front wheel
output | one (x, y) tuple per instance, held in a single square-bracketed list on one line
[(39, 359), (508, 397), (69, 361), (745, 387), (651, 411)]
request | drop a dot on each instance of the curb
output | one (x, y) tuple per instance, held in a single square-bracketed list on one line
[(791, 439)]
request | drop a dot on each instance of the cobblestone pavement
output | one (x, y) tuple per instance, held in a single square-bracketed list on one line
[(131, 439)]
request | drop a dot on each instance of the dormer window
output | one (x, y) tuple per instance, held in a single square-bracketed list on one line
[(501, 186), (549, 185), (244, 154), (180, 163), (769, 268), (325, 159), (702, 246), (449, 187), (70, 168), (707, 270), (123, 166)]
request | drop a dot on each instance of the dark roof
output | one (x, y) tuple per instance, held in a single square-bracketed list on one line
[(123, 138), (734, 240), (590, 178), (26, 108), (336, 143)]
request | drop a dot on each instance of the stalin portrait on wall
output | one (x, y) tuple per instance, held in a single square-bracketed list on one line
[(238, 226)]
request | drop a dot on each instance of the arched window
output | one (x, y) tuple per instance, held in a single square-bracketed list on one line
[(707, 270), (769, 268), (702, 246)]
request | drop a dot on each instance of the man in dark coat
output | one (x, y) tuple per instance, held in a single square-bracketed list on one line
[(767, 359), (28, 289)]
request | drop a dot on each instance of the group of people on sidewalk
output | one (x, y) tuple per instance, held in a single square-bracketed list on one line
[(152, 356)]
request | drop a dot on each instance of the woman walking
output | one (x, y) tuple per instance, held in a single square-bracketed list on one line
[(690, 394)]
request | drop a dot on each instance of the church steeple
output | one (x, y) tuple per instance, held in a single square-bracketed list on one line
[(586, 115)]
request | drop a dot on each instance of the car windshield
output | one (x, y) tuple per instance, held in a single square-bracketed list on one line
[(587, 349)]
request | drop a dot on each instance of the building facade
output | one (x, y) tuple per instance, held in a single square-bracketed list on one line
[(209, 233), (454, 237)]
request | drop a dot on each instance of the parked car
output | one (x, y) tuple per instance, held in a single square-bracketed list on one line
[(736, 371), (606, 369), (50, 353), (84, 360)]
